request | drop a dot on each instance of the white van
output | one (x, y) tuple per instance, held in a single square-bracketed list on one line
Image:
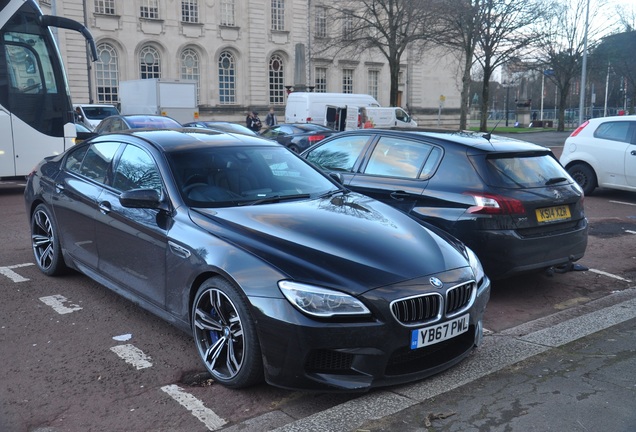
[(92, 114), (308, 107), (388, 117)]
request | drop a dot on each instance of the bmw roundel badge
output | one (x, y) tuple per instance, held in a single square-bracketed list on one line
[(436, 282)]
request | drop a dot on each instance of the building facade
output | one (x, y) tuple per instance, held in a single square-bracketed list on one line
[(244, 54)]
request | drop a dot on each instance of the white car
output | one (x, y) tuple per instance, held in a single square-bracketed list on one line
[(602, 153)]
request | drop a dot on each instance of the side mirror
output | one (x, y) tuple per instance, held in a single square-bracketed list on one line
[(141, 198), (337, 177)]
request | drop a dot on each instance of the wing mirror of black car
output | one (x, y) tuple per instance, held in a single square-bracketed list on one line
[(337, 177), (141, 198)]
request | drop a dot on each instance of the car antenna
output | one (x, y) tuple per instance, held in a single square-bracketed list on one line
[(488, 135)]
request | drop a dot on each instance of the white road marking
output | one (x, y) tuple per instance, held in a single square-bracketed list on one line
[(57, 303), (8, 272), (195, 406), (132, 355), (630, 231), (621, 202), (601, 272)]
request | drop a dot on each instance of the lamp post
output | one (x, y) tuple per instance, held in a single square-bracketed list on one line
[(507, 101)]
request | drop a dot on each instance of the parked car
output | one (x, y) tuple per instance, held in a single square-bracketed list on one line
[(92, 114), (83, 133), (222, 126), (275, 270), (602, 153), (119, 123), (297, 136), (508, 200)]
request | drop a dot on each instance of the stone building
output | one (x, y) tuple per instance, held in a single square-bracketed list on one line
[(244, 54)]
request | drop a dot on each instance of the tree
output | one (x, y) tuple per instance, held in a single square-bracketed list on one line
[(387, 26), (459, 30), (505, 30), (561, 47)]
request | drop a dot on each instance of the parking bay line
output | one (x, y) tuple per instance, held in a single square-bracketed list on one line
[(57, 303), (8, 272), (208, 417), (622, 202), (132, 355), (601, 272), (497, 352)]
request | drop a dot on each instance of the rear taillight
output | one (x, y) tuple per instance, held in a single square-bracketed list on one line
[(580, 128), (309, 119), (495, 204), (315, 138)]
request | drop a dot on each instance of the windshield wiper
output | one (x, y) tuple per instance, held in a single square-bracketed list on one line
[(333, 192), (555, 180), (275, 198)]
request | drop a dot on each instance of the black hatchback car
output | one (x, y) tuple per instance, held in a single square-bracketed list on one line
[(275, 269), (509, 200)]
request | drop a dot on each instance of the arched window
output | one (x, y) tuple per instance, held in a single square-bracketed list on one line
[(190, 67), (149, 63), (107, 74), (276, 80), (227, 78)]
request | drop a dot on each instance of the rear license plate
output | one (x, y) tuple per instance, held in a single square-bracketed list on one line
[(431, 335), (551, 214)]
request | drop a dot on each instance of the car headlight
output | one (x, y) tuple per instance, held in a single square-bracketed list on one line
[(475, 265), (321, 302)]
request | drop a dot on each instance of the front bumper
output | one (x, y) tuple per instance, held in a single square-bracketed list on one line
[(355, 356)]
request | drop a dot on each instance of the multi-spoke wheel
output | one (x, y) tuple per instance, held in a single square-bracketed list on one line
[(225, 335), (46, 245)]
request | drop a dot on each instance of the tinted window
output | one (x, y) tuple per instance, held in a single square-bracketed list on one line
[(136, 170), (615, 131), (339, 154), (97, 160), (523, 172), (75, 158), (397, 157)]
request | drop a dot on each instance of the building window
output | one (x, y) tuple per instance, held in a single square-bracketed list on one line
[(106, 7), (190, 11), (190, 67), (321, 22), (321, 80), (278, 15), (149, 63), (107, 74), (149, 9), (276, 81), (347, 80), (227, 13), (347, 25), (227, 78), (373, 83)]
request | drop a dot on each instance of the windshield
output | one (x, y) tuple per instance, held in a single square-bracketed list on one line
[(99, 112), (230, 176), (525, 171)]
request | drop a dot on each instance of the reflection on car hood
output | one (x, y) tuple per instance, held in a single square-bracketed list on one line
[(348, 241)]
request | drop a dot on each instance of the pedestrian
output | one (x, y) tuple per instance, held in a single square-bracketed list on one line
[(253, 122), (270, 119)]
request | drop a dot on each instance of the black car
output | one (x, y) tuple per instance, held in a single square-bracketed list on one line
[(508, 200), (297, 136), (117, 123), (276, 270)]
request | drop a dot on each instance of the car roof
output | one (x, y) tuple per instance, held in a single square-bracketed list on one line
[(612, 118), (477, 140), (178, 139)]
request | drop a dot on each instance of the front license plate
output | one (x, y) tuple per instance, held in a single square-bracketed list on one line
[(551, 214), (440, 332)]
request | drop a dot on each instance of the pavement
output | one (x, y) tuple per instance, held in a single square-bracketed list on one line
[(568, 372)]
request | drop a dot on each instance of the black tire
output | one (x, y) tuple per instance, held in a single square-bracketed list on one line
[(584, 175), (225, 335), (294, 148), (46, 243)]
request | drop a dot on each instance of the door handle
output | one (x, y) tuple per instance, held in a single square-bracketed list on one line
[(104, 207), (398, 195), (59, 187), (633, 152)]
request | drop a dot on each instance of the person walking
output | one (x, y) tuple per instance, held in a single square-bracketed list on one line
[(253, 122), (270, 119)]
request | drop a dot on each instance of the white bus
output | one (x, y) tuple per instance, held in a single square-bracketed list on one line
[(36, 115)]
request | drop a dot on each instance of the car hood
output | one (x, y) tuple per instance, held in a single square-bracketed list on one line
[(348, 241)]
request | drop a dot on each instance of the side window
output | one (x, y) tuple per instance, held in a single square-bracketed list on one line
[(615, 131), (98, 159), (340, 154), (397, 157), (75, 158), (136, 170)]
